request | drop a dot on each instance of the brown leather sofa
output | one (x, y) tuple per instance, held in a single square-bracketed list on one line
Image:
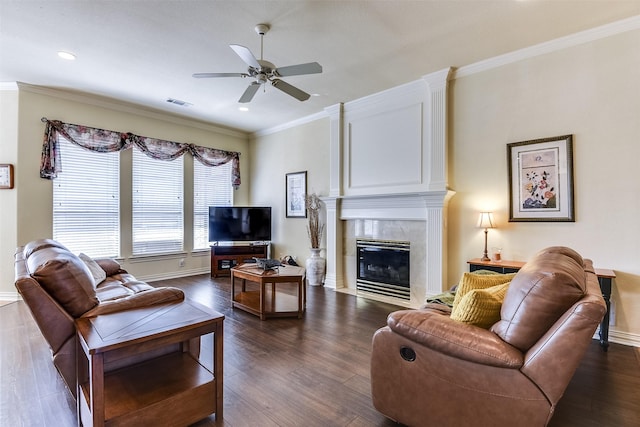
[(59, 287), (430, 370)]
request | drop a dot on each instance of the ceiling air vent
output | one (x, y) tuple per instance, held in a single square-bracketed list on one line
[(178, 102)]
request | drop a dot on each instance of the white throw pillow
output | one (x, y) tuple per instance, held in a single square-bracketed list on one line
[(96, 271)]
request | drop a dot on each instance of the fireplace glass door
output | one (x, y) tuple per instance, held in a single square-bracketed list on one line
[(383, 268)]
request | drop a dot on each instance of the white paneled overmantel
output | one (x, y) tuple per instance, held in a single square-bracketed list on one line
[(388, 165)]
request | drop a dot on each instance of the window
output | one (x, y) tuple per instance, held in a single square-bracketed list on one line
[(86, 201), (211, 187), (157, 217)]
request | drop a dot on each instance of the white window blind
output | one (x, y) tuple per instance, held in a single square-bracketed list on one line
[(86, 201), (211, 187), (157, 217)]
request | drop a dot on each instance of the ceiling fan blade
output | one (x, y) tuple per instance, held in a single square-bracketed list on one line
[(208, 75), (248, 94), (246, 55), (290, 90), (296, 70)]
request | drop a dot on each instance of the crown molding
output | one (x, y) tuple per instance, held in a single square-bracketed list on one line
[(121, 106), (291, 124), (561, 43)]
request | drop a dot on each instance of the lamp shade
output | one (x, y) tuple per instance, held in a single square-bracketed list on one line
[(486, 220)]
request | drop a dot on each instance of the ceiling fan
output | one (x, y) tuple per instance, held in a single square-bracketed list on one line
[(264, 71)]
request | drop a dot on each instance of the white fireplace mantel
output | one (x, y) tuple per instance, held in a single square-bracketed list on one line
[(408, 206), (388, 162)]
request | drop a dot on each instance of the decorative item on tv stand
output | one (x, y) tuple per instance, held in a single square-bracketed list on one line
[(316, 264)]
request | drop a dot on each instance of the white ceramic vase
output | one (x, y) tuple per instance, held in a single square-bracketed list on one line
[(316, 266)]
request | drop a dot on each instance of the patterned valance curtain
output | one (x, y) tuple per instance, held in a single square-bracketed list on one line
[(106, 141)]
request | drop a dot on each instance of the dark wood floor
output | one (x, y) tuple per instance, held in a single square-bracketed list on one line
[(293, 372)]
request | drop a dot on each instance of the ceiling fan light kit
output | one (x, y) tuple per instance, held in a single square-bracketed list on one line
[(262, 71)]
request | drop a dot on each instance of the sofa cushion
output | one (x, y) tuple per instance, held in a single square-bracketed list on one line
[(153, 296), (112, 290), (68, 280), (96, 271), (481, 307), (543, 289)]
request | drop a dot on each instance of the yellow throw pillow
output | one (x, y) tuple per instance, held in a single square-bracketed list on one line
[(480, 307), (471, 281)]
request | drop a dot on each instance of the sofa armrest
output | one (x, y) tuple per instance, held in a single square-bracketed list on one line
[(141, 299), (435, 330)]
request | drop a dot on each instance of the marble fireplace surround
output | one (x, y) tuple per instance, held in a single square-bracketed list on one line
[(417, 218)]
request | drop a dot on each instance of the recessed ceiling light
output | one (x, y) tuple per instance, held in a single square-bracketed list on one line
[(66, 55), (243, 108)]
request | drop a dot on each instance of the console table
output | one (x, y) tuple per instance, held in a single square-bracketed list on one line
[(605, 277), (224, 258), (142, 367)]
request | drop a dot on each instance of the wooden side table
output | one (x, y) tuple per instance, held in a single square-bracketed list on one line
[(605, 277), (263, 302), (137, 367)]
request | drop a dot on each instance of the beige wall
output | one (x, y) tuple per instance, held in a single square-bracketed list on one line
[(591, 91), (303, 148), (34, 195), (8, 198)]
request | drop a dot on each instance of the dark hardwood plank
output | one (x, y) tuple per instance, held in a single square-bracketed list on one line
[(312, 371)]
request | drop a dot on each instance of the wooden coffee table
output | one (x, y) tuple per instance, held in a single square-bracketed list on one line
[(268, 301)]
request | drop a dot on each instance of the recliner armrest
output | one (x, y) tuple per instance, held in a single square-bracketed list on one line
[(434, 329)]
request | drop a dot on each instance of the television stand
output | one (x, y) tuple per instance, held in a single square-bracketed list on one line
[(224, 258)]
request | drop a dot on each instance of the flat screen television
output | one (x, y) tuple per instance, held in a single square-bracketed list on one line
[(239, 224)]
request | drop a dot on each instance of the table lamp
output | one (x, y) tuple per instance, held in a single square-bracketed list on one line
[(485, 221)]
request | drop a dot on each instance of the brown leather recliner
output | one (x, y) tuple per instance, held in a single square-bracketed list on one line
[(430, 370), (58, 287)]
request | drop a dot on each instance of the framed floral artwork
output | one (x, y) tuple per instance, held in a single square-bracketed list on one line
[(295, 193), (6, 176), (541, 180)]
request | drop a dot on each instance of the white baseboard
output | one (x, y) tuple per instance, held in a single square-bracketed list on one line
[(174, 274), (10, 296), (620, 337), (625, 338)]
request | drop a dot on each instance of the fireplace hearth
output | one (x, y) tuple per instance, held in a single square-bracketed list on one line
[(383, 268)]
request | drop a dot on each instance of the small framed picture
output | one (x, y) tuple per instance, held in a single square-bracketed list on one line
[(6, 176), (541, 180), (296, 191)]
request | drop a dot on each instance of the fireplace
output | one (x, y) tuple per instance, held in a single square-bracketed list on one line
[(383, 268), (398, 197)]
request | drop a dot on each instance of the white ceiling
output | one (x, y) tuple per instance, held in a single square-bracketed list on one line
[(145, 51)]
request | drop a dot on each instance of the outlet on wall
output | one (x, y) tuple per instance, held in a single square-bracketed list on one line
[(181, 262)]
